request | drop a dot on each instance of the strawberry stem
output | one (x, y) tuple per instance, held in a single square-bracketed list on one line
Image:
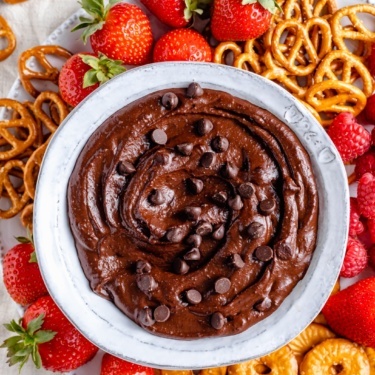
[(195, 7), (271, 5)]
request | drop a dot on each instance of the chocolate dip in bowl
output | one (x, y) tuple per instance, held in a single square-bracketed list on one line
[(196, 212)]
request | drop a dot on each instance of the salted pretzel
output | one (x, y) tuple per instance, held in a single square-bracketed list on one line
[(331, 353), (370, 352), (221, 51), (17, 200), (50, 73), (13, 145), (318, 8), (27, 217), (251, 56), (7, 33), (214, 371)]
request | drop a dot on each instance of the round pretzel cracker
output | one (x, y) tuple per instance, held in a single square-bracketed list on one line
[(7, 33)]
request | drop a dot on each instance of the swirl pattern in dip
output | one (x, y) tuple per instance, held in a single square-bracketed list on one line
[(194, 212)]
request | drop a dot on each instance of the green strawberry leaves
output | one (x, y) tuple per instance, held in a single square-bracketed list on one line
[(195, 6), (103, 69), (25, 343), (25, 240), (271, 5)]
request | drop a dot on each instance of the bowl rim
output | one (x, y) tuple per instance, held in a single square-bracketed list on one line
[(85, 309)]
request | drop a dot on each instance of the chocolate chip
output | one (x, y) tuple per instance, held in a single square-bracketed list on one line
[(246, 190), (236, 261), (217, 320), (220, 197), (162, 313), (194, 90), (230, 170), (194, 185), (157, 197), (267, 206), (263, 305), (235, 203), (145, 317), (255, 230), (284, 251), (203, 228), (159, 137), (124, 168), (174, 235), (193, 297), (169, 100), (162, 159), (180, 266), (204, 126), (222, 285), (185, 148), (220, 144), (263, 253), (218, 233), (193, 254), (207, 159), (146, 283), (194, 240), (143, 267), (192, 213)]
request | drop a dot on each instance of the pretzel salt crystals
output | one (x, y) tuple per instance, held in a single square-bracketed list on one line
[(7, 33), (49, 73)]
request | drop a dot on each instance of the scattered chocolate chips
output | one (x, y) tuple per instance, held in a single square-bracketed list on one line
[(193, 254), (220, 144), (263, 305), (203, 228), (236, 261), (222, 285), (146, 283), (267, 206), (194, 90), (157, 197), (284, 251), (203, 126), (235, 203), (162, 313), (255, 230), (159, 137), (169, 100), (194, 240), (124, 168), (145, 317), (246, 190), (218, 233), (185, 148), (194, 185), (180, 267), (207, 159), (174, 235), (142, 267), (193, 297), (217, 320), (192, 213), (220, 197), (230, 170), (263, 253)]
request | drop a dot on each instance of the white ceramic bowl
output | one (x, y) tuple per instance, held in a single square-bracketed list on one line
[(100, 320)]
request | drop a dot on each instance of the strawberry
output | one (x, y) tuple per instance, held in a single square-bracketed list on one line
[(355, 225), (21, 274), (371, 60), (366, 195), (351, 312), (370, 108), (115, 366), (365, 164), (350, 138), (355, 260), (83, 73), (240, 20), (175, 13), (121, 31), (182, 45), (48, 336)]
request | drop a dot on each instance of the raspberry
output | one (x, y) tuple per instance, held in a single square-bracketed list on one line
[(373, 136), (371, 229), (350, 138), (355, 225), (365, 164), (370, 109), (371, 257), (366, 196), (355, 260)]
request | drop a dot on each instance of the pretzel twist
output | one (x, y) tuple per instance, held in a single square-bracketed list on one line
[(27, 217), (7, 33), (223, 48)]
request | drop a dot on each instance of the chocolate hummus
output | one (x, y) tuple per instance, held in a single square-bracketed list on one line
[(194, 211)]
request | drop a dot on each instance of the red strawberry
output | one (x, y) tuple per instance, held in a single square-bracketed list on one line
[(355, 259), (48, 336), (371, 257), (115, 366), (371, 60), (355, 225), (365, 164), (174, 13), (239, 20), (351, 312), (350, 138), (21, 273), (120, 31), (370, 108), (182, 45), (366, 195), (83, 73)]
